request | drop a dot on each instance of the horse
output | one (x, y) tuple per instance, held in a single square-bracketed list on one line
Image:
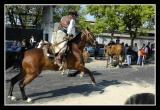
[(114, 50), (35, 60)]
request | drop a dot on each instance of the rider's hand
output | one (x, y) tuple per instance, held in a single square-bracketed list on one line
[(69, 37)]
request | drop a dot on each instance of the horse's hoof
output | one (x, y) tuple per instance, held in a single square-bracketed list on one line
[(94, 84), (13, 98), (9, 97), (81, 76), (29, 100)]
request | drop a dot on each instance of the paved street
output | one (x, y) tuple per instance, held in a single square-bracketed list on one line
[(52, 86)]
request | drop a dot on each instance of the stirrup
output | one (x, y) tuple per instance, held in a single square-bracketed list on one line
[(61, 67)]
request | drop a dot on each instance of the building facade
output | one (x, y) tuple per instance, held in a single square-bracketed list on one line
[(105, 38)]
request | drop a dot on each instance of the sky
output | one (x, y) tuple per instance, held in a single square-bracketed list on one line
[(88, 16)]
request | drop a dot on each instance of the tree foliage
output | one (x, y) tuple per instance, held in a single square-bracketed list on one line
[(108, 18), (121, 17), (62, 10), (24, 15), (134, 16)]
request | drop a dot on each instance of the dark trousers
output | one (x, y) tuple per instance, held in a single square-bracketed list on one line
[(95, 54)]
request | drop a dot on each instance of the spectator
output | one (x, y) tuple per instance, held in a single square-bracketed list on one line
[(139, 60), (148, 50), (111, 42), (143, 55), (129, 54), (14, 45), (117, 41), (135, 48), (143, 46), (18, 46), (96, 52), (125, 51), (152, 49)]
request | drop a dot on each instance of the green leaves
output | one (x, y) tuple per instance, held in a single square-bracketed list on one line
[(24, 15)]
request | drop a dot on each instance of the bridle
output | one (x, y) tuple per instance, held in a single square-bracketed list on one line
[(89, 36)]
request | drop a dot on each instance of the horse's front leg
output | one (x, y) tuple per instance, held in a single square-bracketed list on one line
[(27, 79), (120, 60), (91, 76), (13, 81), (62, 73)]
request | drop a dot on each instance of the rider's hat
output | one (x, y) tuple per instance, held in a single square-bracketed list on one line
[(71, 12)]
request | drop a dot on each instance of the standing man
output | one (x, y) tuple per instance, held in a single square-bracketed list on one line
[(129, 55), (148, 50), (96, 50), (135, 48)]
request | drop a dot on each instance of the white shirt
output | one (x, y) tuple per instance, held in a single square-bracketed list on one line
[(71, 27), (135, 49)]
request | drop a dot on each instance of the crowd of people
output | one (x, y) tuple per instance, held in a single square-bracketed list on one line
[(132, 54), (17, 46), (139, 55)]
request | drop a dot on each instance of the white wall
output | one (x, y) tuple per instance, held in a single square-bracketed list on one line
[(139, 41)]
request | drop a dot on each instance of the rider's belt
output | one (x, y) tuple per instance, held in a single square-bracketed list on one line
[(64, 30)]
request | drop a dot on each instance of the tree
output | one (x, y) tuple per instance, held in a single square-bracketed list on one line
[(121, 17), (24, 15), (62, 10), (134, 16), (107, 18)]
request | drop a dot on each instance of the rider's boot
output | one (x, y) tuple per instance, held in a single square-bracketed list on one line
[(59, 61)]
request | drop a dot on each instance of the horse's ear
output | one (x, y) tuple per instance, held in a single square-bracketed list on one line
[(88, 29)]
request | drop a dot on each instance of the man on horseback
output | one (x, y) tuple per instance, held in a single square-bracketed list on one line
[(65, 33)]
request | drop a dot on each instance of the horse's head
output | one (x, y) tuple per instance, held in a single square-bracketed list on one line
[(88, 35)]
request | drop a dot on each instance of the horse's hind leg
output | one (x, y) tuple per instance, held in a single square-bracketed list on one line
[(13, 81), (120, 60), (91, 76), (27, 79), (73, 74)]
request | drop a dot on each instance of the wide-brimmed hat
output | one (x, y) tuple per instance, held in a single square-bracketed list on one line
[(73, 13)]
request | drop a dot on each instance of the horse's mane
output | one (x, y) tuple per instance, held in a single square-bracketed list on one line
[(77, 39)]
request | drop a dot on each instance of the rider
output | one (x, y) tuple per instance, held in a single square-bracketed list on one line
[(66, 28)]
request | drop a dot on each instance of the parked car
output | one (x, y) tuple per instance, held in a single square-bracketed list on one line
[(12, 55), (91, 51), (9, 48)]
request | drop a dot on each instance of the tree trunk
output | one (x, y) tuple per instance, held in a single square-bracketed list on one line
[(134, 35), (112, 33), (132, 41), (11, 19), (21, 21)]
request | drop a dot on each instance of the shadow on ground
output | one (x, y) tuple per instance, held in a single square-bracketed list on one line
[(75, 73), (85, 89)]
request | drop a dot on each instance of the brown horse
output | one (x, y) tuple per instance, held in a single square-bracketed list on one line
[(114, 50), (36, 60)]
